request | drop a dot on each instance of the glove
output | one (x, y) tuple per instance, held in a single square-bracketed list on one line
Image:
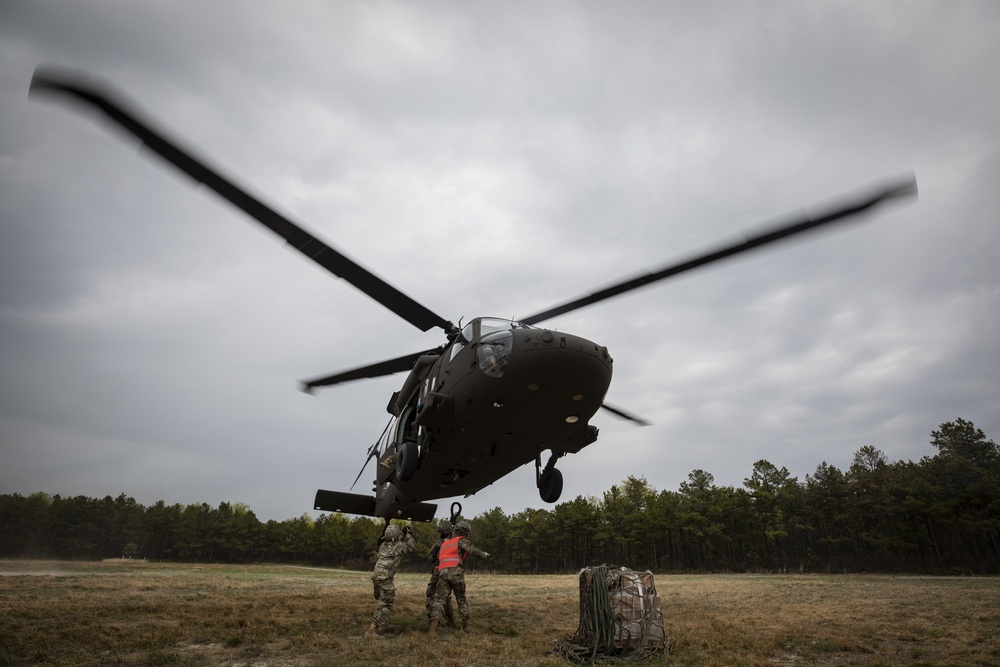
[(486, 554)]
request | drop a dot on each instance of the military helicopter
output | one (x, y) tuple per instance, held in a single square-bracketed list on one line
[(497, 393)]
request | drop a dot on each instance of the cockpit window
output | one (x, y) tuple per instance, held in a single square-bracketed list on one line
[(468, 333), (493, 351), (488, 325)]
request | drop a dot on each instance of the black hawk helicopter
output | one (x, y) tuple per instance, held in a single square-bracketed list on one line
[(497, 393)]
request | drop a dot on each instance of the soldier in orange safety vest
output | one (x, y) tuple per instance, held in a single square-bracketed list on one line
[(451, 575)]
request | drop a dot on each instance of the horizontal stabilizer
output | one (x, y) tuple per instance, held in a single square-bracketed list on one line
[(348, 503), (419, 512), (353, 503)]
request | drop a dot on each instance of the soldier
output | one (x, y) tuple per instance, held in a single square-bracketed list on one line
[(451, 575), (395, 543), (444, 529)]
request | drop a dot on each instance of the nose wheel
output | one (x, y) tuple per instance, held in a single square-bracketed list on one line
[(549, 480)]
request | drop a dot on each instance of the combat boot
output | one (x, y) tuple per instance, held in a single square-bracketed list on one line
[(372, 632), (434, 627), (465, 625)]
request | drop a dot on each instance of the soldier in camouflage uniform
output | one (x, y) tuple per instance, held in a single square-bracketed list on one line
[(444, 529), (451, 575), (395, 543)]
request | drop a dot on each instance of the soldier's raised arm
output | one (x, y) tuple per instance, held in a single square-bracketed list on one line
[(409, 541), (471, 549)]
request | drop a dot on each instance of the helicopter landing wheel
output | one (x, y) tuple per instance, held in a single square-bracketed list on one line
[(406, 461), (550, 485)]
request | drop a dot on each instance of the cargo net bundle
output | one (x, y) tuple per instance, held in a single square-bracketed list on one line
[(620, 617)]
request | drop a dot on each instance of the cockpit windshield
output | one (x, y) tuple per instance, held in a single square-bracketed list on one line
[(496, 342)]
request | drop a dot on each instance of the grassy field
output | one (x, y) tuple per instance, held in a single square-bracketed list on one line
[(131, 613)]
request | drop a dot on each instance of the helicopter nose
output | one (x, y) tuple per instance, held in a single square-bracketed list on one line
[(550, 340), (571, 372)]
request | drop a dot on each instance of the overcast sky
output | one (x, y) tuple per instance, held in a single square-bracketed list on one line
[(493, 159)]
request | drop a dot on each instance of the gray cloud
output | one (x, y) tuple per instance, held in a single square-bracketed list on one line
[(492, 160)]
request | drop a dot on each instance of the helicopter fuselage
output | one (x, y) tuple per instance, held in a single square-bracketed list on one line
[(498, 396), (493, 399)]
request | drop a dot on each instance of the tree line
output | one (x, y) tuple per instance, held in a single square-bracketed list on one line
[(938, 515)]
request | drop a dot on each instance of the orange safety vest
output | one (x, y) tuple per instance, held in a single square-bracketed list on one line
[(449, 556)]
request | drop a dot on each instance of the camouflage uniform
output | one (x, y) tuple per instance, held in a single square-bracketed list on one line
[(390, 553), (444, 528), (452, 579)]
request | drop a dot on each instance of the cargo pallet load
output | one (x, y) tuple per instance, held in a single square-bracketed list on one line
[(620, 617)]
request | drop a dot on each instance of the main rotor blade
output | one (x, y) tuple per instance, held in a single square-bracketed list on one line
[(388, 367), (82, 89), (899, 189)]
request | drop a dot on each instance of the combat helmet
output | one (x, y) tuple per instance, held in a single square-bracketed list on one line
[(462, 528), (445, 527), (392, 533)]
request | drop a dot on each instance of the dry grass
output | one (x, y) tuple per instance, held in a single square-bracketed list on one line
[(164, 614)]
